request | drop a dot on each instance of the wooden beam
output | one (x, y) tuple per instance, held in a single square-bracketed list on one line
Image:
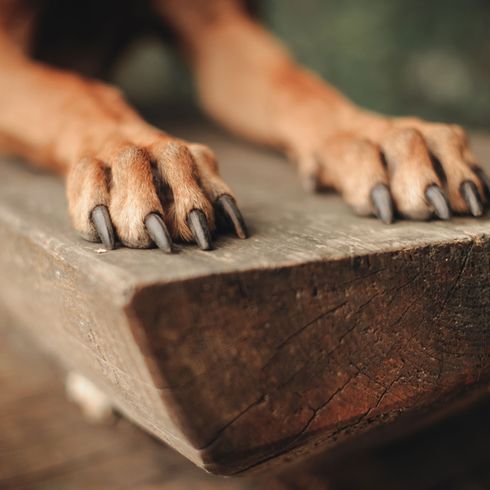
[(47, 443), (317, 329)]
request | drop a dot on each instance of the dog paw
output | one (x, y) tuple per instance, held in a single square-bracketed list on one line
[(403, 166), (151, 194)]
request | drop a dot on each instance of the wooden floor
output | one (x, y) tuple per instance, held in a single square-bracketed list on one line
[(46, 444)]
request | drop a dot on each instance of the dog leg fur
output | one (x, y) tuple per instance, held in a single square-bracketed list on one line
[(147, 185), (248, 82)]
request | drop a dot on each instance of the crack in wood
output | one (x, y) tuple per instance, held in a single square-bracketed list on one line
[(298, 332)]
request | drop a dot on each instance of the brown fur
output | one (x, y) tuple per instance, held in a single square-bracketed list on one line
[(247, 81)]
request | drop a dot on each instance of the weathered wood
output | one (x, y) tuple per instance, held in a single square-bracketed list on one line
[(320, 327), (45, 443)]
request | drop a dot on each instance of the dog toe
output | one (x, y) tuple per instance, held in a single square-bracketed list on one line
[(88, 201), (152, 195)]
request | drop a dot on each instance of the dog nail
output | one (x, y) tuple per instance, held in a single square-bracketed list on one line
[(383, 204), (158, 232), (438, 201), (484, 179), (471, 195), (229, 208), (199, 226), (102, 222)]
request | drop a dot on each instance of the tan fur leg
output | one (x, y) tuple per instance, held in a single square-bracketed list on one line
[(125, 178), (249, 83)]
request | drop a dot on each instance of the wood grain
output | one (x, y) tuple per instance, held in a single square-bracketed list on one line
[(45, 443), (320, 327)]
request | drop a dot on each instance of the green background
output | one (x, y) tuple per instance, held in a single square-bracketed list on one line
[(430, 58)]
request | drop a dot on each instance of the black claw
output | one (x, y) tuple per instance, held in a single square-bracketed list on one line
[(438, 201), (383, 204), (471, 195), (484, 179), (102, 222), (230, 210), (200, 229), (158, 232)]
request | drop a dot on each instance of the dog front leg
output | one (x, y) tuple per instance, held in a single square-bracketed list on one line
[(247, 81), (125, 178)]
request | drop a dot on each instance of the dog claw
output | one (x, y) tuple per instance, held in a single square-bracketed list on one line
[(383, 204), (484, 179), (102, 222), (200, 229), (230, 210), (471, 195), (438, 201), (158, 232)]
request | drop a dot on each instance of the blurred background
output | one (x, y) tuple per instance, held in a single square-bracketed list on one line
[(400, 57)]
